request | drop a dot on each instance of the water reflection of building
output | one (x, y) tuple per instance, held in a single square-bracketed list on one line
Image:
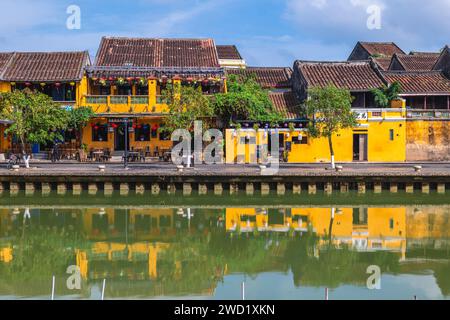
[(172, 251), (360, 228)]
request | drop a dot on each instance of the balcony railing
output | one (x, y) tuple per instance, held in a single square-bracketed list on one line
[(96, 99), (125, 104), (428, 114), (118, 99), (139, 100)]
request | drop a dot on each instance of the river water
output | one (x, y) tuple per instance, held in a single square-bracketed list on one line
[(278, 247)]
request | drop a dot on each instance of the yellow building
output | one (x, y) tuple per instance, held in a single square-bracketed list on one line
[(60, 75), (379, 137), (361, 228), (126, 82)]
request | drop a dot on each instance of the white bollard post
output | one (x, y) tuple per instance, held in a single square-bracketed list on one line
[(243, 291), (53, 288), (103, 289), (326, 293)]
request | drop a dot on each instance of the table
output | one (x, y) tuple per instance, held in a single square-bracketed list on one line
[(97, 155)]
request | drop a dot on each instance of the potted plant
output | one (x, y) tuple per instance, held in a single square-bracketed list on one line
[(285, 156)]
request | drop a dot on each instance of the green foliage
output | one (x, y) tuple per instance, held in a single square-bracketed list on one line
[(79, 117), (385, 95), (332, 109), (36, 118), (245, 100), (186, 105)]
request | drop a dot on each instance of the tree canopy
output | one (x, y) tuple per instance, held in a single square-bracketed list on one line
[(331, 110), (186, 105), (79, 117), (35, 117), (385, 95), (245, 100)]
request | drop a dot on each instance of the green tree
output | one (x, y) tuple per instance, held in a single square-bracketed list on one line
[(186, 105), (79, 118), (245, 100), (385, 95), (35, 118), (331, 109)]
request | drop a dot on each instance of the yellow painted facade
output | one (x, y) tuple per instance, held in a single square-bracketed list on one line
[(428, 140), (139, 109), (360, 228), (385, 131)]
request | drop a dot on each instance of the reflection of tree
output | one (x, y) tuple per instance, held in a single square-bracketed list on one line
[(334, 266), (442, 274), (40, 253)]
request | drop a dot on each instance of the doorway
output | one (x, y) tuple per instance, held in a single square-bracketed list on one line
[(281, 146), (119, 138), (360, 147)]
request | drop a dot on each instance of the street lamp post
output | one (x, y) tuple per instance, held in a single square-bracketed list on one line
[(126, 145)]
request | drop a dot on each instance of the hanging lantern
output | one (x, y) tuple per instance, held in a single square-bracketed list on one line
[(42, 84), (57, 84), (13, 83), (94, 79), (95, 127), (72, 84), (27, 84)]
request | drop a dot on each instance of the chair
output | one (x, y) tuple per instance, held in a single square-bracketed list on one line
[(148, 152), (90, 156), (106, 155), (142, 156)]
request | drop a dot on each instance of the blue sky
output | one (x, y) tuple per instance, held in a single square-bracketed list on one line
[(267, 32)]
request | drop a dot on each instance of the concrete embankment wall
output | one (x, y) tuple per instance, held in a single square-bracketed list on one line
[(428, 140)]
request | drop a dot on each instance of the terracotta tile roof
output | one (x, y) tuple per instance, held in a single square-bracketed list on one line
[(228, 52), (443, 60), (5, 57), (386, 49), (146, 52), (419, 53), (267, 77), (286, 103), (383, 63), (351, 75), (416, 62), (46, 66), (430, 82)]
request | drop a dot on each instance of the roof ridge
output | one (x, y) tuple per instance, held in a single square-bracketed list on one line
[(333, 62), (49, 52), (418, 72), (150, 38)]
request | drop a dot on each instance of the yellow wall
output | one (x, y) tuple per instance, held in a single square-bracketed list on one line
[(428, 140), (5, 87), (385, 228), (377, 127)]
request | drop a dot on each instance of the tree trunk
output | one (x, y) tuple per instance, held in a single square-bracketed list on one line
[(25, 156), (330, 143)]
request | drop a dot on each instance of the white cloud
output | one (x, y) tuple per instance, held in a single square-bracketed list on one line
[(411, 23)]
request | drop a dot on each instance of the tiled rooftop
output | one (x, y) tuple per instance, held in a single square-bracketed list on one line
[(267, 77), (351, 75)]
